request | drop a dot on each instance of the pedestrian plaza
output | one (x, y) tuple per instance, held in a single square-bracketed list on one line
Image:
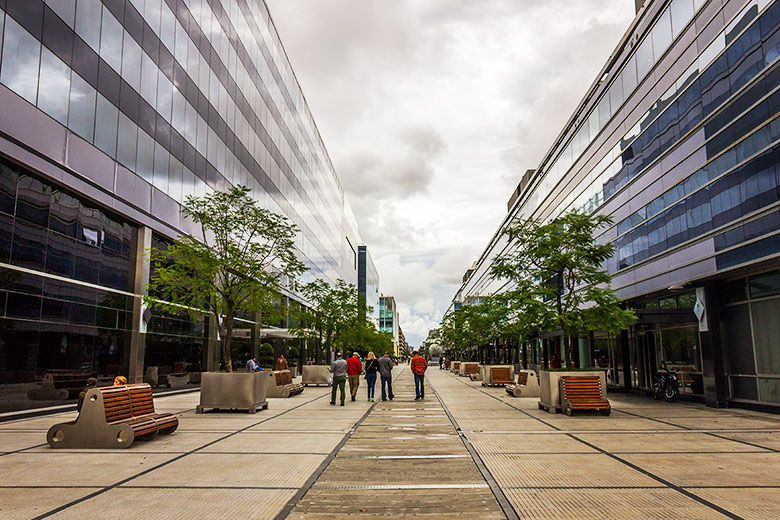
[(465, 451)]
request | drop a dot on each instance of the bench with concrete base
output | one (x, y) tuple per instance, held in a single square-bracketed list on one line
[(580, 393), (526, 385), (498, 375), (455, 367), (281, 385), (467, 369), (113, 417)]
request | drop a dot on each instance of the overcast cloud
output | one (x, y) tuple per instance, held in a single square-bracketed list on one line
[(431, 111)]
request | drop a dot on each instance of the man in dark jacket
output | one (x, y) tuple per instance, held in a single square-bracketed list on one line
[(339, 371), (386, 375), (354, 368), (419, 366)]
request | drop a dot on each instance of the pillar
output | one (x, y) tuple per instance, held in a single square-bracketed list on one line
[(626, 355), (140, 274), (714, 376)]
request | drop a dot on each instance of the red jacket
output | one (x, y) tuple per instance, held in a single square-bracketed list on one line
[(419, 365), (354, 367)]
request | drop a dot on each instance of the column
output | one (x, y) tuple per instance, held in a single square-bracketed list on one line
[(716, 385), (140, 273)]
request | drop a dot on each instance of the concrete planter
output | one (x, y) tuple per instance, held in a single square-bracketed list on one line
[(178, 381), (486, 377), (315, 375), (549, 386), (468, 367), (233, 391)]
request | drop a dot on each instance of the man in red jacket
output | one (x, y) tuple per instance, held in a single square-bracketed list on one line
[(419, 366), (354, 368)]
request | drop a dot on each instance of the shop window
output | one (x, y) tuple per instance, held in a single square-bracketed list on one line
[(769, 389), (744, 388), (739, 340), (766, 328), (762, 285)]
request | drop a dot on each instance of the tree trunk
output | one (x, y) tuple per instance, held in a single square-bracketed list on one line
[(227, 355)]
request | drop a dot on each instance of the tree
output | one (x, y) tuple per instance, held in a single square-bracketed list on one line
[(559, 278), (236, 265)]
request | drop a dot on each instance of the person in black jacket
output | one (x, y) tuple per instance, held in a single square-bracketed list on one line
[(372, 365)]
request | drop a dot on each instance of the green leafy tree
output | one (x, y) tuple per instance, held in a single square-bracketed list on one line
[(265, 355), (236, 265), (557, 268)]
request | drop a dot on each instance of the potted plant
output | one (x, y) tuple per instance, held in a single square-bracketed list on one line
[(292, 360)]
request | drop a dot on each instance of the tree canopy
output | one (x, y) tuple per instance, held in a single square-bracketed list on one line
[(237, 264)]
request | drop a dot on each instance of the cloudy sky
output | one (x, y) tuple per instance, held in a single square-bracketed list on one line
[(431, 110)]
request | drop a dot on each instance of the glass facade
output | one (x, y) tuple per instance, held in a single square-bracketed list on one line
[(123, 109), (679, 141), (368, 283)]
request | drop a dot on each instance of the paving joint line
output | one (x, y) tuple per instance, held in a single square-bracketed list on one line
[(170, 461), (503, 502), (679, 489), (663, 481)]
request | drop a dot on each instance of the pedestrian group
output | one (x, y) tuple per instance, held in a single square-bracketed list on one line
[(342, 370)]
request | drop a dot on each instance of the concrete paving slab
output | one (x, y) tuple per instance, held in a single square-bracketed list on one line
[(726, 423), (677, 442), (358, 472), (713, 469), (176, 443), (13, 441), (262, 442), (520, 423), (181, 504), (81, 469), (595, 422), (744, 502), (770, 440), (26, 503), (518, 443), (234, 470), (563, 470), (625, 504), (286, 424)]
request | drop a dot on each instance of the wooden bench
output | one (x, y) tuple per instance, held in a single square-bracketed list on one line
[(468, 369), (582, 393), (281, 385), (113, 417), (500, 376), (455, 366), (59, 385), (526, 385)]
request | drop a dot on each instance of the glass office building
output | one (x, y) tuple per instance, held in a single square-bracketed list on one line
[(679, 140), (388, 319), (368, 283), (113, 112)]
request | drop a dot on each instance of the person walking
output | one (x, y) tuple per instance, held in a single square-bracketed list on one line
[(372, 365), (386, 375), (354, 369), (339, 371), (419, 366), (281, 363)]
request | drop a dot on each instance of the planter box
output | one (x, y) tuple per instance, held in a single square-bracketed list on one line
[(315, 375), (468, 367), (233, 391), (486, 377), (549, 387), (178, 381), (455, 367)]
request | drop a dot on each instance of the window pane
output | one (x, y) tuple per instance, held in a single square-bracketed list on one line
[(662, 35), (81, 117), (128, 138), (21, 55), (682, 12), (161, 160), (111, 41), (66, 9), (145, 156), (106, 122), (766, 328), (629, 77), (131, 62), (644, 58), (765, 285), (149, 80), (88, 22), (54, 86)]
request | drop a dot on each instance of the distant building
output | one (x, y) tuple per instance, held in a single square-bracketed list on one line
[(388, 319), (368, 283)]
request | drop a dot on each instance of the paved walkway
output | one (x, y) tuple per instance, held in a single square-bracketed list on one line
[(466, 451)]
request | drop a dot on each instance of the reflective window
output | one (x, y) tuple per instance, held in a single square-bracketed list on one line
[(54, 86), (149, 80), (111, 40), (66, 9), (767, 284), (106, 121), (127, 141), (88, 22), (161, 160), (662, 35), (644, 58), (131, 61), (81, 117), (21, 56), (145, 157), (682, 12)]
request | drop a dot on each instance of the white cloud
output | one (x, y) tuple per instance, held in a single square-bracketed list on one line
[(432, 110)]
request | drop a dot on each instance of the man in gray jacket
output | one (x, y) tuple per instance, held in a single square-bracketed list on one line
[(339, 370), (386, 375)]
